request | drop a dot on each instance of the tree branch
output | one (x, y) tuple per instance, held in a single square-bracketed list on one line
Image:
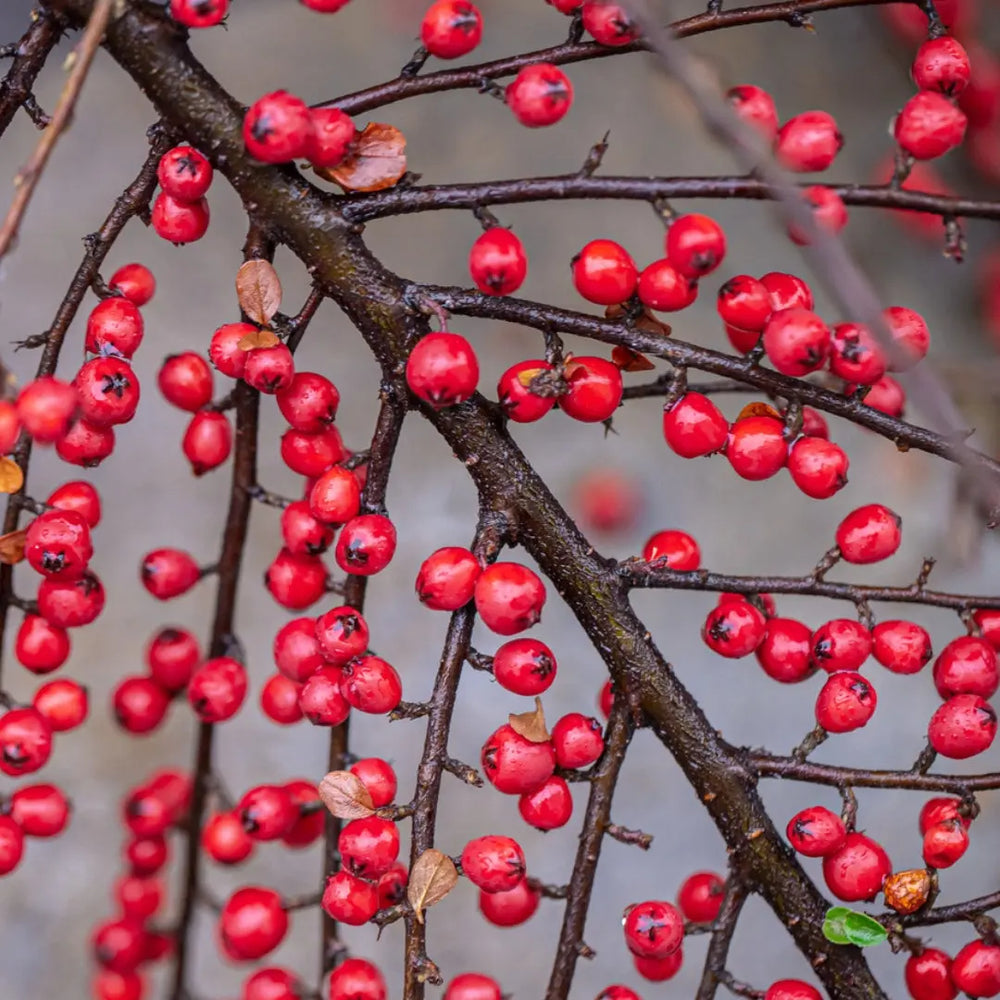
[(30, 55)]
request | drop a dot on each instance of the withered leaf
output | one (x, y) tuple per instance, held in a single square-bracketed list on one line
[(11, 476), (528, 375), (12, 546), (631, 361), (432, 877), (646, 321), (759, 409), (259, 338), (377, 160), (345, 795), (530, 725), (258, 290)]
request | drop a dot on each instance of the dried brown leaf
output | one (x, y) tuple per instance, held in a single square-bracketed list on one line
[(631, 361), (345, 795), (531, 725), (12, 546), (759, 409), (432, 877), (11, 476), (646, 321), (259, 338), (376, 161), (258, 290)]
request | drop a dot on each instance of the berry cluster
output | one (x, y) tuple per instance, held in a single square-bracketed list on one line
[(180, 211)]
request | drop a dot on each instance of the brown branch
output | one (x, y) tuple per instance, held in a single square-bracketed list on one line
[(968, 910), (723, 928), (28, 176), (30, 54)]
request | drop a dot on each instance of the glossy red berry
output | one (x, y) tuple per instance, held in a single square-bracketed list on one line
[(322, 700), (796, 341), (662, 287), (734, 629), (818, 467), (57, 544), (594, 389), (695, 245), (114, 323), (11, 845), (517, 400), (25, 741), (694, 426), (335, 497), (451, 28), (745, 303), (217, 689), (199, 13), (886, 395), (578, 740), (967, 665), (267, 812), (942, 64), (10, 427), (910, 334), (269, 369), (549, 806), (827, 209), (508, 909), (653, 929), (138, 897), (988, 622), (168, 573), (135, 282), (272, 984), (45, 408), (841, 644), (493, 863), (447, 578), (184, 173), (700, 897), (295, 582), (539, 95), (515, 765), (252, 923), (608, 23), (146, 814), (756, 107), (855, 355), (62, 703), (108, 391), (224, 351), (945, 843), (39, 810), (928, 975), (509, 598), (929, 125), (524, 666), (370, 684), (658, 970), (497, 262), (975, 970), (302, 533), (792, 989), (119, 945), (224, 840), (312, 454), (472, 986), (869, 534), (857, 869), (442, 369), (963, 726), (942, 809), (785, 651), (608, 500), (342, 634), (71, 603), (816, 832), (845, 702), (332, 137), (278, 128), (349, 899), (208, 441), (186, 381), (378, 777), (356, 979), (603, 272), (78, 496), (756, 448), (366, 544), (309, 402), (147, 855), (179, 221), (808, 142), (279, 700), (309, 825), (296, 650), (787, 291), (86, 445), (677, 549)]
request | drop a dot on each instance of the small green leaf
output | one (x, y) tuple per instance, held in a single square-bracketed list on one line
[(864, 931), (834, 926)]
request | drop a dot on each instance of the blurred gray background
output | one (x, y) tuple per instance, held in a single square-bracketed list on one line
[(850, 67)]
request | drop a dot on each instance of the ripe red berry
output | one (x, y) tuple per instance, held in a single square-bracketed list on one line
[(808, 142), (734, 629), (86, 445), (224, 351), (549, 806), (975, 970), (62, 703), (279, 700), (272, 984), (138, 896), (796, 341), (108, 391), (700, 897), (378, 777), (828, 212), (309, 402), (186, 381), (342, 634), (603, 272), (658, 970), (941, 810), (366, 544), (606, 698), (252, 923), (886, 395), (662, 287), (524, 666), (578, 740), (321, 698), (756, 448), (967, 665), (608, 500), (945, 843), (816, 832), (278, 128), (10, 426), (856, 870), (677, 549), (493, 863), (114, 323), (515, 765), (208, 441), (296, 650), (869, 534), (784, 652), (929, 125), (508, 909), (695, 245), (269, 369), (302, 533), (332, 136), (594, 389), (745, 303), (787, 291), (146, 855), (349, 899), (78, 496), (472, 986), (295, 582), (224, 840), (451, 28), (694, 426), (312, 454), (845, 702), (25, 741), (39, 810), (146, 814), (855, 355), (308, 828), (910, 334), (217, 689), (135, 282), (11, 845), (928, 975), (179, 221), (335, 497), (963, 726), (184, 173), (539, 95), (45, 408), (517, 400), (497, 262), (509, 598), (199, 13), (57, 544), (119, 945), (168, 573), (653, 929), (841, 644), (756, 107), (988, 621), (267, 812), (442, 369), (356, 979), (792, 989), (942, 64), (447, 578), (608, 23), (71, 603), (818, 467), (370, 684)]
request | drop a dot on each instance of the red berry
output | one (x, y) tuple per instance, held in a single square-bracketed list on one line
[(945, 843), (963, 726), (695, 245), (886, 395), (224, 840), (321, 698), (224, 351), (356, 979), (856, 871), (694, 426), (578, 740), (186, 381), (349, 899), (515, 765), (942, 64), (828, 212), (677, 549), (71, 603), (549, 806), (45, 408), (594, 389), (818, 467), (603, 272), (119, 945), (988, 622), (756, 107), (10, 426), (309, 402), (756, 448), (296, 650), (207, 441), (808, 142), (11, 845), (855, 355), (493, 863), (787, 291), (295, 582), (447, 579), (332, 136), (147, 855), (608, 23), (941, 810), (442, 369), (302, 533), (841, 644), (139, 897), (792, 989), (653, 929), (309, 825), (845, 702), (366, 544), (80, 497), (146, 814), (57, 544), (967, 665), (734, 629), (929, 125), (451, 28), (497, 262), (168, 573), (910, 334), (784, 652), (663, 287), (278, 128), (217, 689), (199, 13), (312, 454), (269, 369), (179, 221), (745, 303), (700, 897), (508, 909), (869, 534), (135, 282), (608, 500), (472, 986), (928, 975), (108, 391), (39, 810), (816, 832), (114, 323), (279, 700), (524, 666), (975, 970), (378, 777), (539, 95), (657, 970), (86, 445), (335, 497), (342, 634), (272, 984), (184, 173), (517, 400), (326, 7), (370, 684), (62, 703), (796, 341), (267, 812), (252, 923), (509, 598)]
